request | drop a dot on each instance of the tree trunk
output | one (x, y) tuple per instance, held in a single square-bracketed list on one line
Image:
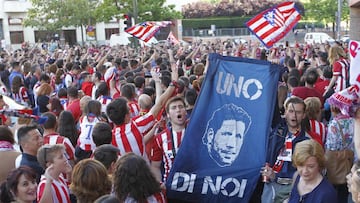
[(82, 35)]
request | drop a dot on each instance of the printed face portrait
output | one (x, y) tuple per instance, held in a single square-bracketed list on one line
[(228, 140), (225, 133)]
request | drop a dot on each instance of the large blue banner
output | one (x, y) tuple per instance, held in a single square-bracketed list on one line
[(225, 142)]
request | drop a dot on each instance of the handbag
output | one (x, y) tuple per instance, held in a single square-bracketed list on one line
[(338, 163)]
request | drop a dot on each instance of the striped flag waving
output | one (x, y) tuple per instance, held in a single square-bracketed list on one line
[(146, 30), (273, 24)]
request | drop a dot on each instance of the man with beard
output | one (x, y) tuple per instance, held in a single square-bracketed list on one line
[(224, 138), (167, 143), (282, 141)]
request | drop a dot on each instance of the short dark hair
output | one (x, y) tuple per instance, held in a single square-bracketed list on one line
[(128, 91), (191, 96), (117, 110), (291, 63), (44, 77), (149, 90), (106, 154), (50, 122), (23, 131), (139, 81), (311, 76), (102, 133), (62, 93), (72, 92)]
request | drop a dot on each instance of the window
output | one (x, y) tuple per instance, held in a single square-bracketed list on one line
[(110, 31), (16, 37)]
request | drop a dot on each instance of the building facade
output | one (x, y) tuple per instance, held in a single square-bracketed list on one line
[(13, 33), (355, 19)]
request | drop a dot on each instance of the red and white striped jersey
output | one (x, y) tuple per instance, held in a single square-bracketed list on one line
[(319, 128), (155, 198), (163, 148), (59, 189), (22, 96), (129, 137), (85, 140), (134, 108), (104, 100), (341, 69), (55, 138)]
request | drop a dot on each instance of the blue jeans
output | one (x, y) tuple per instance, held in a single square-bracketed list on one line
[(275, 193)]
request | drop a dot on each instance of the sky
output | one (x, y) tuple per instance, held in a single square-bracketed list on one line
[(179, 3)]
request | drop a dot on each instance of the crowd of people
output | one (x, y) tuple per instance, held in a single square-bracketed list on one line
[(107, 123)]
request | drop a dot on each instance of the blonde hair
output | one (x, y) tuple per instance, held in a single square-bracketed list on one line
[(335, 53), (199, 69), (313, 107), (47, 153), (306, 149), (90, 180)]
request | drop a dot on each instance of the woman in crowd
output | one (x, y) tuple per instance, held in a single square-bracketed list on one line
[(340, 134), (20, 186), (7, 152), (337, 58), (310, 185), (19, 92), (53, 187), (90, 181), (55, 106), (43, 97), (67, 127), (134, 182), (313, 113)]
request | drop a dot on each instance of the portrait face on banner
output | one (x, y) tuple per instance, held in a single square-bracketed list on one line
[(224, 138)]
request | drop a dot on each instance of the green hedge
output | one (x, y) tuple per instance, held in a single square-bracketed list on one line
[(231, 22), (220, 22), (301, 25)]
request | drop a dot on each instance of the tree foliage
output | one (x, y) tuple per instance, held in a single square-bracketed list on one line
[(53, 15), (325, 10), (230, 8), (147, 10)]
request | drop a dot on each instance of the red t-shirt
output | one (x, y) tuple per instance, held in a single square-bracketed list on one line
[(74, 108), (86, 87), (305, 92), (321, 85)]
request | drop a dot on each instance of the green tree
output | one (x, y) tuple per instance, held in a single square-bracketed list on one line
[(146, 10), (325, 10), (53, 15)]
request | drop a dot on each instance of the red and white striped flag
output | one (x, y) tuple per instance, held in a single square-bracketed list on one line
[(172, 39), (273, 24), (146, 30)]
